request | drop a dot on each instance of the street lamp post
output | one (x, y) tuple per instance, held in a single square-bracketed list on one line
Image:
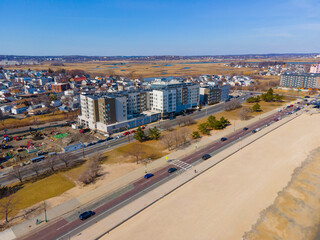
[(45, 212)]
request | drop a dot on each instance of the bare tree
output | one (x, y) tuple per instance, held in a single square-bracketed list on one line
[(180, 121), (188, 120), (176, 137), (231, 105), (313, 91), (18, 173), (97, 157), (94, 168), (36, 168), (66, 158), (7, 206), (136, 150), (184, 134), (243, 113), (52, 163), (167, 140), (167, 126), (93, 171)]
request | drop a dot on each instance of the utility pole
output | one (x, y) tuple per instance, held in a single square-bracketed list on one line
[(45, 212)]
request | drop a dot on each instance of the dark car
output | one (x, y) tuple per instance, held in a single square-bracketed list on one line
[(41, 153), (109, 138), (171, 170), (276, 119), (206, 156), (148, 175), (245, 129), (223, 139), (100, 141), (253, 131), (86, 215)]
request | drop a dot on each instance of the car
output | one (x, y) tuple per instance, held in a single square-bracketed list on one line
[(41, 153), (17, 138), (206, 156), (268, 124), (223, 139), (148, 175), (143, 127), (133, 131), (171, 170), (85, 215), (100, 141), (126, 133), (245, 129), (254, 131), (276, 119), (109, 138)]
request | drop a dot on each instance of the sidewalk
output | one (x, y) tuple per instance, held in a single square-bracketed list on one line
[(72, 206), (115, 219)]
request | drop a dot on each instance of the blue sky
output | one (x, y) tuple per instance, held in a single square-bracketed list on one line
[(164, 27)]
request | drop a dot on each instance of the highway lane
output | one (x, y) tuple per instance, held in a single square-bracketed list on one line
[(63, 229), (76, 155)]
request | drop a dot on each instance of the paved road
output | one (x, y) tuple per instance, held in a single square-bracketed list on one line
[(63, 228), (76, 155)]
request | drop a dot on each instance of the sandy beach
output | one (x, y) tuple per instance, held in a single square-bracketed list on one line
[(226, 201)]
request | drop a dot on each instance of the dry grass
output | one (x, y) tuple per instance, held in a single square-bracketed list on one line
[(292, 93), (153, 149), (146, 69), (33, 193), (41, 119)]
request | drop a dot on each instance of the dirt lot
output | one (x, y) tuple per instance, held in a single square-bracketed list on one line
[(45, 143)]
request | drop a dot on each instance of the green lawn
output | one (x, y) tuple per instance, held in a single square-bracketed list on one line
[(32, 193)]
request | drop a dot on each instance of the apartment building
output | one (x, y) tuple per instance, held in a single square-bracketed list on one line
[(170, 97), (315, 68), (109, 113), (123, 110), (300, 80), (98, 111), (210, 95), (214, 94)]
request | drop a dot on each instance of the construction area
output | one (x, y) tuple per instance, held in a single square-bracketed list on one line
[(21, 149)]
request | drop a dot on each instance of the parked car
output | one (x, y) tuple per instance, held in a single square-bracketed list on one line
[(100, 141), (133, 131), (223, 139), (109, 138), (206, 156), (85, 215), (276, 119), (245, 128), (41, 153), (254, 131), (148, 175), (126, 133), (17, 138), (171, 170)]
